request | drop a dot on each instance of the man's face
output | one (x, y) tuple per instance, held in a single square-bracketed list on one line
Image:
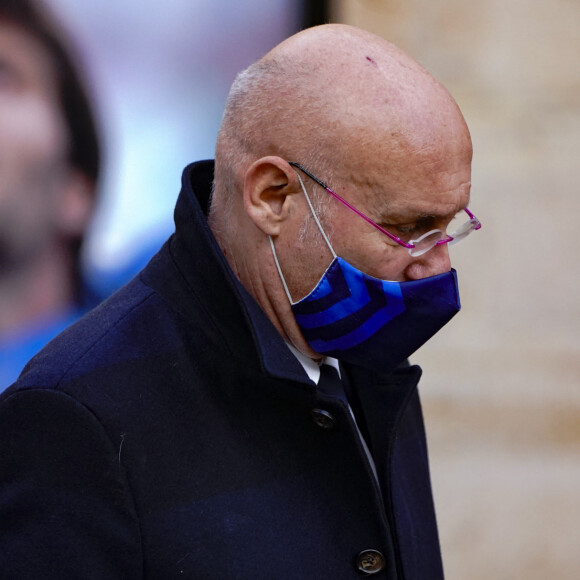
[(408, 194), (33, 148)]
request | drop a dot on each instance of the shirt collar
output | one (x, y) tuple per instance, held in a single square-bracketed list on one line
[(312, 367)]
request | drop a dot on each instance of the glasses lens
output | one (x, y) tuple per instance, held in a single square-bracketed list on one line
[(461, 231), (460, 226), (425, 242)]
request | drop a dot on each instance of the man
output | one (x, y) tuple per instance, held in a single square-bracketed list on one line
[(187, 427), (49, 159)]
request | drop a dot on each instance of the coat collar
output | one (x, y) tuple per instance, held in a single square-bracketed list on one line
[(246, 330)]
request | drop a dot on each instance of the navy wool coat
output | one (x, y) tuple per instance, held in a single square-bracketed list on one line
[(172, 434)]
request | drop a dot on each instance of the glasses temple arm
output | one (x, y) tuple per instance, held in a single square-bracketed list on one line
[(352, 208)]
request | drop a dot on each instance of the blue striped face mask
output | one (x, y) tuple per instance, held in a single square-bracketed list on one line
[(367, 321)]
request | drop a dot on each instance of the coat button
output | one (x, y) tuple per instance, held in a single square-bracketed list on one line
[(323, 419), (370, 562)]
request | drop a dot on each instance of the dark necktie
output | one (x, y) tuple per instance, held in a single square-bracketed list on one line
[(330, 383)]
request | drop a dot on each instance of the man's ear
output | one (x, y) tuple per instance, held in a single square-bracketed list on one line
[(269, 184)]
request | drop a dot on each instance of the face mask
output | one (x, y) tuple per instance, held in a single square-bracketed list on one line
[(370, 322)]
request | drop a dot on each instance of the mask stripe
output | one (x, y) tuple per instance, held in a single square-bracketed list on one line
[(347, 324), (357, 336), (350, 299)]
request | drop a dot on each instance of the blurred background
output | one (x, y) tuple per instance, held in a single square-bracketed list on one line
[(500, 388)]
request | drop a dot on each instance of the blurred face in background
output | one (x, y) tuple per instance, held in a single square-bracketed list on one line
[(38, 206)]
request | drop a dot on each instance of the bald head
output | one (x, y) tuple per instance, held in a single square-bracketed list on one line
[(329, 95)]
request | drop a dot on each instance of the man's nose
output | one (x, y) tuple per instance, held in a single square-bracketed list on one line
[(435, 261)]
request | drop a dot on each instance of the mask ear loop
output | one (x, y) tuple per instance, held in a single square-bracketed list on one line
[(321, 231), (280, 271), (315, 216)]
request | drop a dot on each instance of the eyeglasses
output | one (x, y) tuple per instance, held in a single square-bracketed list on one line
[(416, 247)]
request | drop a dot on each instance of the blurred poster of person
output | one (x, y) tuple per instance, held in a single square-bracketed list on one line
[(162, 71), (49, 167)]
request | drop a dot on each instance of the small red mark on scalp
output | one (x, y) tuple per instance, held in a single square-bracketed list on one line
[(371, 61)]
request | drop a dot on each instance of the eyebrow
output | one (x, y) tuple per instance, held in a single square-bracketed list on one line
[(407, 215)]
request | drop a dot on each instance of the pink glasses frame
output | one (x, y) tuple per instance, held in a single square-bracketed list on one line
[(410, 246)]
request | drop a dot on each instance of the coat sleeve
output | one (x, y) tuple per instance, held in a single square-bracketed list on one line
[(65, 506)]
